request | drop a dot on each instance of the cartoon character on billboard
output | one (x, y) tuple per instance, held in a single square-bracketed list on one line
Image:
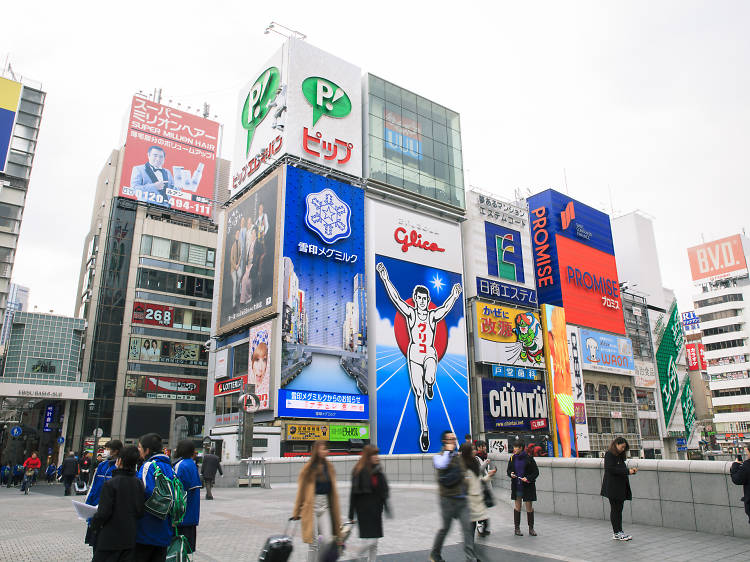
[(529, 334), (422, 357), (592, 348)]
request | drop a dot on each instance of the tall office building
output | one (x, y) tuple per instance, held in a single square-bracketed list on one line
[(719, 269), (18, 301), (146, 278), (21, 107)]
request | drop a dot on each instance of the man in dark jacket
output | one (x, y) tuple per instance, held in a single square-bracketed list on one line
[(69, 471), (453, 499), (211, 463), (740, 472), (120, 506)]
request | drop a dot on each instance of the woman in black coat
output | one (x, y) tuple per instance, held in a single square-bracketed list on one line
[(616, 485), (740, 472), (523, 472), (368, 499)]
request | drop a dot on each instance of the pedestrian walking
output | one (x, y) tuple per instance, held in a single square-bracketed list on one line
[(616, 484), (86, 467), (187, 471), (210, 464), (523, 472), (476, 479), (51, 470), (317, 497), (451, 476), (153, 535), (740, 472), (115, 523), (368, 500), (102, 474), (69, 471), (5, 472), (17, 474), (31, 468)]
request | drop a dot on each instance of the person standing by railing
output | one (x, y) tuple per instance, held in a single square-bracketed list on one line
[(523, 472), (616, 484)]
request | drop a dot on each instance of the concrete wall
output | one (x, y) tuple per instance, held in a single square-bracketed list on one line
[(690, 495)]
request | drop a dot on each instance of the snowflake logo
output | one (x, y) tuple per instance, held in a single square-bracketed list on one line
[(328, 216)]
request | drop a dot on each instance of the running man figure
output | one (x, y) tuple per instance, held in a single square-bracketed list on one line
[(422, 357)]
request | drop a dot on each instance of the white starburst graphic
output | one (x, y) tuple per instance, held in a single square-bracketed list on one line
[(437, 283)]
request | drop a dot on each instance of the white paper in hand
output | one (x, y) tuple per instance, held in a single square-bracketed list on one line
[(84, 511)]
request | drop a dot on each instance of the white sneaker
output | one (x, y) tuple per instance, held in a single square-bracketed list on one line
[(625, 537), (616, 536)]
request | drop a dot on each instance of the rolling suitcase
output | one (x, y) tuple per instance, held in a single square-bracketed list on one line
[(278, 548)]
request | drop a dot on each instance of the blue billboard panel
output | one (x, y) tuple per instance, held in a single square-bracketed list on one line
[(606, 352), (422, 376), (521, 373), (324, 316), (514, 405), (323, 405), (504, 252)]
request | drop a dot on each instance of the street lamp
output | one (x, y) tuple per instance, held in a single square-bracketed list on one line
[(92, 409)]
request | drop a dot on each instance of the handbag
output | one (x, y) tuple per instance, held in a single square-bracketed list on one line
[(489, 499)]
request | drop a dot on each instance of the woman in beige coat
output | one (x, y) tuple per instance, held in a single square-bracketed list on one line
[(475, 493), (316, 497)]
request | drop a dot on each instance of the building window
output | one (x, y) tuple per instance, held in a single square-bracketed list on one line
[(617, 425), (240, 359), (627, 395), (593, 425), (605, 424), (615, 394), (590, 392), (631, 425), (603, 393)]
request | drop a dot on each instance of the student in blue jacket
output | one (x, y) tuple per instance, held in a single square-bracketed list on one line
[(154, 534), (187, 471), (103, 473)]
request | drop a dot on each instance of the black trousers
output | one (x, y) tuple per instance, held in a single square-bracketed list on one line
[(114, 556), (189, 532), (150, 553), (68, 481), (615, 514)]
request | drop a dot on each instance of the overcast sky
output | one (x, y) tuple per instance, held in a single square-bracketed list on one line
[(643, 104)]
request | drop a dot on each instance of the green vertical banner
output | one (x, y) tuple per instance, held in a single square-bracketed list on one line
[(666, 356), (688, 408)]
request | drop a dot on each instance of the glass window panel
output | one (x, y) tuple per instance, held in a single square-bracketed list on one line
[(411, 180), (25, 132), (377, 107), (20, 158), (377, 86), (616, 425), (377, 148), (441, 171), (377, 126), (28, 120), (603, 393), (377, 169), (605, 425), (10, 211), (454, 139), (12, 169), (24, 145), (454, 158), (425, 126), (185, 251), (409, 120), (440, 133), (146, 244), (392, 113), (393, 93), (460, 198), (240, 359), (453, 120), (409, 101), (210, 257), (174, 252), (28, 106), (441, 153), (197, 255), (428, 147), (160, 247), (427, 166), (397, 180), (424, 107), (438, 114)]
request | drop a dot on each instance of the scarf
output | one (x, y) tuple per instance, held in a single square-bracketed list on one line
[(519, 467)]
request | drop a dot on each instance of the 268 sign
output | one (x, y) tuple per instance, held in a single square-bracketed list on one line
[(153, 314)]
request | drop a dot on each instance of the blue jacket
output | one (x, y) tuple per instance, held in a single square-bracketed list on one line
[(187, 472), (51, 469), (151, 529), (103, 473)]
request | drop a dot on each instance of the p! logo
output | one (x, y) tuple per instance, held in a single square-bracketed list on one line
[(326, 98), (257, 102)]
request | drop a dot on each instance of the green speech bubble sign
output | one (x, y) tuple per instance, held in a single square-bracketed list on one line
[(326, 98), (256, 103)]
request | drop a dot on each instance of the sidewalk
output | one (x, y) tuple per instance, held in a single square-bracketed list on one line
[(41, 526)]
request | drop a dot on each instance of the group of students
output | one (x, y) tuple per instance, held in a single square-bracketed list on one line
[(123, 527)]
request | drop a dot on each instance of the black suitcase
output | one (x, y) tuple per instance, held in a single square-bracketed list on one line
[(277, 548)]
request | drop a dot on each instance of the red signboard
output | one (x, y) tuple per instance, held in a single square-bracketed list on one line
[(170, 158), (718, 259), (153, 314), (590, 289), (693, 359), (229, 386), (172, 385), (702, 356)]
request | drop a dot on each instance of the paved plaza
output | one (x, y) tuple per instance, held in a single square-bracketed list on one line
[(42, 526)]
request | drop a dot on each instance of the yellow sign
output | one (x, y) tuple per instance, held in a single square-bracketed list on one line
[(519, 332), (306, 432)]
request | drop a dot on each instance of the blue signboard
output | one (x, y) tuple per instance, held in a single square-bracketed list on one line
[(324, 318), (16, 431), (61, 440), (323, 405), (49, 416), (514, 405), (505, 292), (550, 214), (606, 352), (515, 373)]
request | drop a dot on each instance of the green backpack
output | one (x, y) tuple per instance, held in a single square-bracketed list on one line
[(169, 498), (179, 549)]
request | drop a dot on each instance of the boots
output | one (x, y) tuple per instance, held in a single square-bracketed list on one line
[(530, 519), (517, 523)]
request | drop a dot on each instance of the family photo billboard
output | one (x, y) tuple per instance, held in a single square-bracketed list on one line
[(170, 158), (418, 320), (324, 309)]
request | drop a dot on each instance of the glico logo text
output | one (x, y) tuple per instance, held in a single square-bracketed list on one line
[(542, 257), (590, 282)]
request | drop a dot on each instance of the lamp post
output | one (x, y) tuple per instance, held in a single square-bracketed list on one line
[(92, 409)]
